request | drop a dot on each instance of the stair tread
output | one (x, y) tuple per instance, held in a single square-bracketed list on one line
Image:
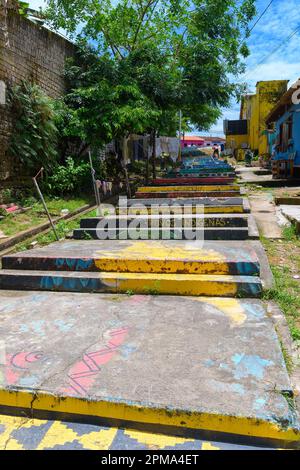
[(164, 250), (172, 216), (231, 229)]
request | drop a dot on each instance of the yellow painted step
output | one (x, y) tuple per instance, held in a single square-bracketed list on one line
[(133, 283), (235, 209)]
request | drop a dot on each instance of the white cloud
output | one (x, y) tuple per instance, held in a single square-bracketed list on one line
[(36, 4), (271, 33)]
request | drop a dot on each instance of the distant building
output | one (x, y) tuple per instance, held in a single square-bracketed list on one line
[(202, 141), (250, 131), (286, 137), (192, 141), (236, 137)]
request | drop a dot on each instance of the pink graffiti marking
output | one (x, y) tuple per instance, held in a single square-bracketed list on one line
[(16, 363), (84, 373)]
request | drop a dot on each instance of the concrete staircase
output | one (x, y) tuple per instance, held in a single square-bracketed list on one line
[(176, 337), (157, 267), (165, 212)]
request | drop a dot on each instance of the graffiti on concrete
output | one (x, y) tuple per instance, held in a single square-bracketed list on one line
[(82, 375)]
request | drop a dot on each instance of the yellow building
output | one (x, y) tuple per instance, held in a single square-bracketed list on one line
[(236, 137), (250, 130)]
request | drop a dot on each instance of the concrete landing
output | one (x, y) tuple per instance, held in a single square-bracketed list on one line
[(159, 361), (263, 210), (165, 256), (292, 213)]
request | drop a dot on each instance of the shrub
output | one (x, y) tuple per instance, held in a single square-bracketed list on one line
[(35, 136), (69, 178)]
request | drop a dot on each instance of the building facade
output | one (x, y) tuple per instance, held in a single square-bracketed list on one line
[(202, 141), (254, 111), (285, 116)]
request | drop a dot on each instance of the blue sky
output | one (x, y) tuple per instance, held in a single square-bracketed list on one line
[(278, 23)]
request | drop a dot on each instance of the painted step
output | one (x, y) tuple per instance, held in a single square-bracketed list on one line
[(193, 188), (224, 352), (190, 201), (191, 180), (189, 220), (165, 256), (155, 206), (137, 283), (187, 194), (161, 234), (215, 172), (154, 209), (202, 174)]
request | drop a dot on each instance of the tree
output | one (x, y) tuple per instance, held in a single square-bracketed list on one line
[(200, 41), (152, 58)]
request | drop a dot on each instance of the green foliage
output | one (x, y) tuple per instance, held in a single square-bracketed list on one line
[(156, 57), (34, 140), (104, 102), (69, 178), (23, 6), (7, 196)]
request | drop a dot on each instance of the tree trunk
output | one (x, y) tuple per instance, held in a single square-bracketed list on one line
[(147, 164), (154, 153), (124, 165)]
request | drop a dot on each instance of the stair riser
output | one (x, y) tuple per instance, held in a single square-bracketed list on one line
[(207, 172), (190, 180), (245, 268), (234, 209), (187, 194), (136, 286), (206, 234), (213, 222), (173, 203), (189, 188)]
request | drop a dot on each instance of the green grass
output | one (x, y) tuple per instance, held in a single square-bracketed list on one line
[(290, 233), (13, 224), (63, 228), (286, 292)]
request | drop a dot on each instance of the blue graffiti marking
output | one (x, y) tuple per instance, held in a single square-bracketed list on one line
[(249, 366), (74, 264)]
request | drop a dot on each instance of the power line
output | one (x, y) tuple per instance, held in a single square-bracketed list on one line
[(260, 17), (276, 49)]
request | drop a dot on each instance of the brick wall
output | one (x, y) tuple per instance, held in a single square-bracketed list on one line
[(27, 52)]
